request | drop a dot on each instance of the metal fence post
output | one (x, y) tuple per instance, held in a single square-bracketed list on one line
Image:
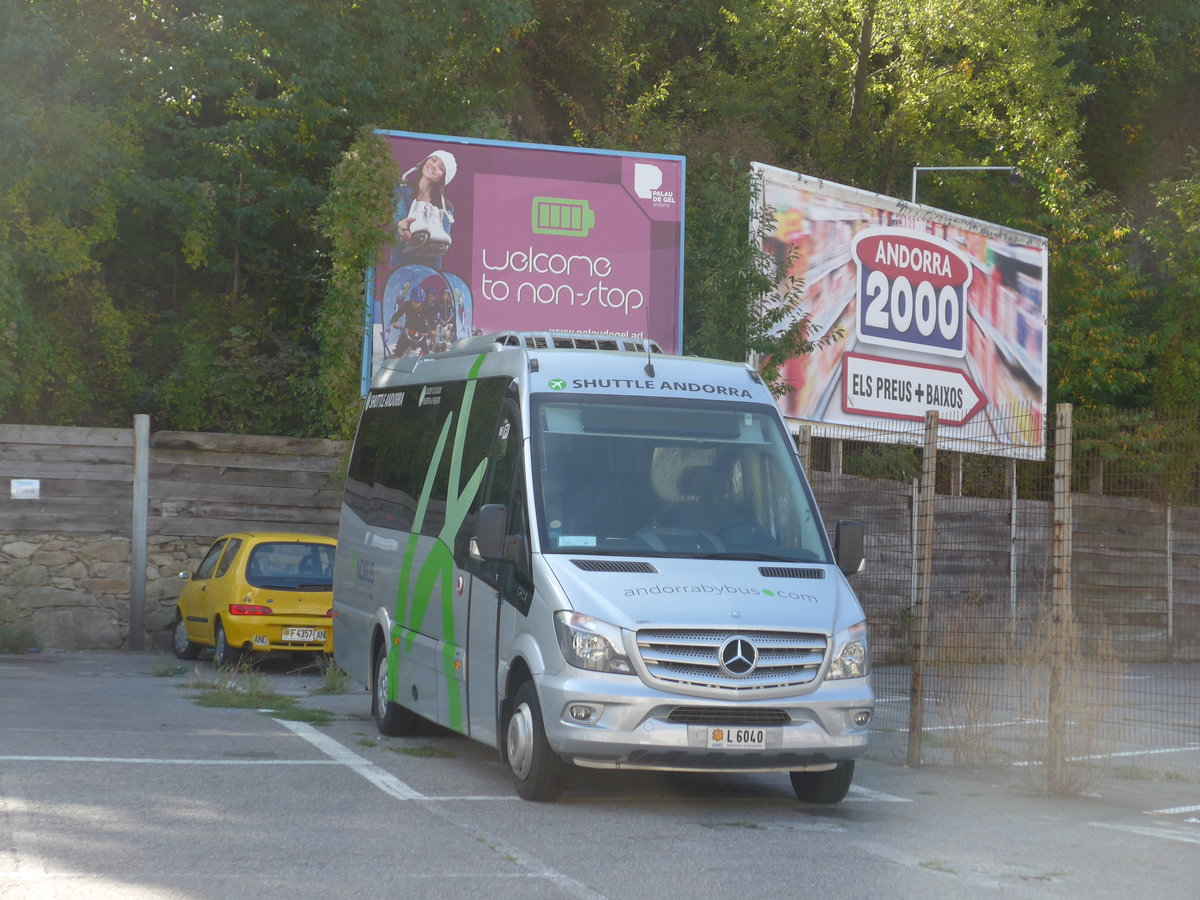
[(137, 548), (924, 570), (1061, 596), (804, 447), (1013, 534), (1170, 582)]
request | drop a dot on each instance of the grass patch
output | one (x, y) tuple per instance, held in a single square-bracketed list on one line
[(167, 670), (243, 688), (424, 752), (16, 640), (334, 680), (1142, 773), (293, 712)]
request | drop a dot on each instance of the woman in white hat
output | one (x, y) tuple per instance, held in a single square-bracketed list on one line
[(424, 220)]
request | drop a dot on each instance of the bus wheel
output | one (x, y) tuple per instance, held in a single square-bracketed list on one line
[(537, 771), (824, 787), (392, 719)]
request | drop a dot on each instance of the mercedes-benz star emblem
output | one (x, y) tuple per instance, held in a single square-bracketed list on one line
[(738, 656)]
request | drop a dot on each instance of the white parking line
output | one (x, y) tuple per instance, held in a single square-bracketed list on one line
[(133, 760), (1119, 755), (931, 728), (1174, 810), (392, 785), (385, 781), (866, 794), (20, 858), (1169, 834)]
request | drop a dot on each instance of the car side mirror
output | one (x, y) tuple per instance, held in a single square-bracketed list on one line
[(848, 546), (185, 576), (488, 543)]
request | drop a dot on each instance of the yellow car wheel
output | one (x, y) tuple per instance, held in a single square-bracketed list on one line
[(224, 655), (184, 648)]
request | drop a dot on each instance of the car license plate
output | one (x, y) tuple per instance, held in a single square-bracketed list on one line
[(737, 739), (307, 635)]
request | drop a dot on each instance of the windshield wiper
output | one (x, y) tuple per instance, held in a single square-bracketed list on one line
[(592, 551), (751, 555)]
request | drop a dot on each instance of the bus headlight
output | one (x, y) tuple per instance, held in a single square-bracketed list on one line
[(589, 643), (850, 658)]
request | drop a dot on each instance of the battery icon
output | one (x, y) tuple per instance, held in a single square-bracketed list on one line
[(571, 218)]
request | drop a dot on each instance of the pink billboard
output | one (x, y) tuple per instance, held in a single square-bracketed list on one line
[(938, 312), (494, 236)]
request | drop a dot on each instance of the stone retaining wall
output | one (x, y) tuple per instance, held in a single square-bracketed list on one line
[(71, 591)]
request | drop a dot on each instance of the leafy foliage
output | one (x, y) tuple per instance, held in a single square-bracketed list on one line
[(355, 219), (773, 327), (1100, 346), (189, 198), (1175, 234)]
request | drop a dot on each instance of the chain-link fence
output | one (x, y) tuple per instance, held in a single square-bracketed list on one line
[(1043, 615)]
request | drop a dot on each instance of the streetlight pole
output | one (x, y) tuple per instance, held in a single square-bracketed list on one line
[(1011, 170)]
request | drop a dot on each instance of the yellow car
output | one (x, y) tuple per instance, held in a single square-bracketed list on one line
[(260, 592)]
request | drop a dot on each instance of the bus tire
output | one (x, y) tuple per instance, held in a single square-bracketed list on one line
[(824, 787), (537, 771), (392, 719)]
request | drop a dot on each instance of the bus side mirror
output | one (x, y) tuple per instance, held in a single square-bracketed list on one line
[(488, 543), (848, 546)]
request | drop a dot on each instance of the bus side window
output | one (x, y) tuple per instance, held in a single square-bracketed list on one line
[(518, 524), (506, 486)]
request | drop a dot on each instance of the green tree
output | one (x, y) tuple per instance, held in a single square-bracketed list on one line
[(66, 166), (161, 220), (169, 242), (1100, 346), (1141, 58), (861, 90), (1174, 233)]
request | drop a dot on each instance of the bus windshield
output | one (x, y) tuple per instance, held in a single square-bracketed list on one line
[(651, 476)]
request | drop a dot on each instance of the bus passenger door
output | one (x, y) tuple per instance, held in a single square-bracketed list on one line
[(494, 583)]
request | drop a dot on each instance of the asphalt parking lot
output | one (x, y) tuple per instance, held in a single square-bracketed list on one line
[(116, 782)]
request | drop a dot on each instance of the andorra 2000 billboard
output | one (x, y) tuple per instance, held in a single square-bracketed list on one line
[(937, 312), (493, 236)]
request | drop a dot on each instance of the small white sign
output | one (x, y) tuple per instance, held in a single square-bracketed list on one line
[(26, 488)]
